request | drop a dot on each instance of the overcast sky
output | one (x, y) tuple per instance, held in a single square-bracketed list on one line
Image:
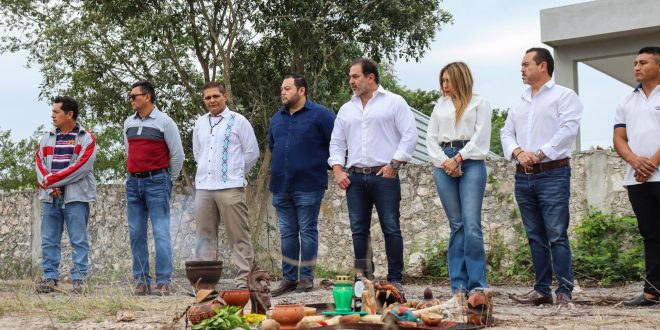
[(491, 36)]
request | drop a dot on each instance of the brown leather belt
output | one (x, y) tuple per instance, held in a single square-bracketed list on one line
[(542, 167), (365, 170)]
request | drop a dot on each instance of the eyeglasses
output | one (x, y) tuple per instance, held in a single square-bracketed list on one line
[(132, 97)]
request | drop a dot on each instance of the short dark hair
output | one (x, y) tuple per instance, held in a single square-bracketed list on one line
[(655, 51), (214, 84), (543, 55), (298, 80), (68, 105), (368, 66), (146, 87)]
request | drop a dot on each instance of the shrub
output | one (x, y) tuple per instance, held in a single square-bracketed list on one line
[(608, 249)]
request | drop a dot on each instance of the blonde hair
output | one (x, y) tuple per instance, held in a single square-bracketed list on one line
[(461, 82)]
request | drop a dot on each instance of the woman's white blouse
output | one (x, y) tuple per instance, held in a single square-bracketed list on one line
[(474, 125)]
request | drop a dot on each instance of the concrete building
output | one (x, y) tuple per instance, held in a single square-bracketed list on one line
[(603, 34)]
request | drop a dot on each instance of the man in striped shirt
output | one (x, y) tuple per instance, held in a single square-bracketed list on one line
[(64, 164)]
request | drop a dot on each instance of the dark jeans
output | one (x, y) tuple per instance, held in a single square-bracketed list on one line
[(543, 202), (645, 200), (298, 215), (365, 191)]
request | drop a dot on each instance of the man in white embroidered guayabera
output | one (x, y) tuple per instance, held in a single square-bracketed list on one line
[(377, 129), (539, 134), (225, 149)]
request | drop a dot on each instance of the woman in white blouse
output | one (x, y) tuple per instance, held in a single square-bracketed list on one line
[(458, 141)]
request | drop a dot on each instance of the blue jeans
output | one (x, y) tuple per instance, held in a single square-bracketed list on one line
[(149, 198), (461, 199), (365, 191), (543, 202), (298, 215), (54, 216)]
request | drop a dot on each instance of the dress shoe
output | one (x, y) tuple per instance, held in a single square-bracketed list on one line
[(285, 286), (142, 289), (162, 290), (563, 299), (305, 285), (641, 301), (532, 298)]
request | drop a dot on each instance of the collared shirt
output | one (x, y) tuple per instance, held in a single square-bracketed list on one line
[(375, 134), (299, 144), (548, 121), (153, 143), (474, 125), (225, 149), (640, 116)]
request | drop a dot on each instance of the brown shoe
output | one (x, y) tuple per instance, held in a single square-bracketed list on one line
[(285, 286), (532, 298), (142, 289), (305, 285), (563, 299), (162, 290)]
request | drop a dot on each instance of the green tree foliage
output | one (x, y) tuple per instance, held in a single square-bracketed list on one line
[(17, 168), (93, 50), (497, 122)]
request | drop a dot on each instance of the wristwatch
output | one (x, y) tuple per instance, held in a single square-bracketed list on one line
[(538, 154), (395, 165)]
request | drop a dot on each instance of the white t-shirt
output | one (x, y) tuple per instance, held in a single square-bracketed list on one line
[(640, 116)]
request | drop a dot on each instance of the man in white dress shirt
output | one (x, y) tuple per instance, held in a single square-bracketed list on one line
[(377, 129), (225, 149), (539, 134)]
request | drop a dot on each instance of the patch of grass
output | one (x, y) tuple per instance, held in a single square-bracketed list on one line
[(325, 273), (63, 307)]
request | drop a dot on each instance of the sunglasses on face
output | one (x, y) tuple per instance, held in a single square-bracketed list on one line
[(132, 97)]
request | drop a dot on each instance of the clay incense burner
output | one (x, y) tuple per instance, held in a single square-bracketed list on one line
[(236, 297), (288, 315), (203, 274)]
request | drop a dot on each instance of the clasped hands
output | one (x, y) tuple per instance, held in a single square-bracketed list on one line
[(644, 168), (451, 166), (526, 158)]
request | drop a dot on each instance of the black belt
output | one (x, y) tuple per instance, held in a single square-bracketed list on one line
[(454, 144), (542, 167), (365, 170), (142, 175)]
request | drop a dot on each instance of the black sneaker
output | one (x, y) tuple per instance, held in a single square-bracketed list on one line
[(46, 286), (79, 286)]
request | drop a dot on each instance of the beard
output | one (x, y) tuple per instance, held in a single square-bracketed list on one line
[(291, 101)]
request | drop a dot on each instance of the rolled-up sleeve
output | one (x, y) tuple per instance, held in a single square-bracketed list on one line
[(570, 113), (479, 144), (433, 138), (338, 144), (508, 136), (405, 123)]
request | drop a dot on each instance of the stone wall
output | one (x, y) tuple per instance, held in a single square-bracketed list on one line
[(595, 184)]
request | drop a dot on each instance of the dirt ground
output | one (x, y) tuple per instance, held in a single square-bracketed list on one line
[(107, 303)]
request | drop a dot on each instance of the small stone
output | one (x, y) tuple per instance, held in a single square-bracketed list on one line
[(125, 316)]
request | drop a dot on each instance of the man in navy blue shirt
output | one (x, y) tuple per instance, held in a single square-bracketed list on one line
[(299, 139)]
